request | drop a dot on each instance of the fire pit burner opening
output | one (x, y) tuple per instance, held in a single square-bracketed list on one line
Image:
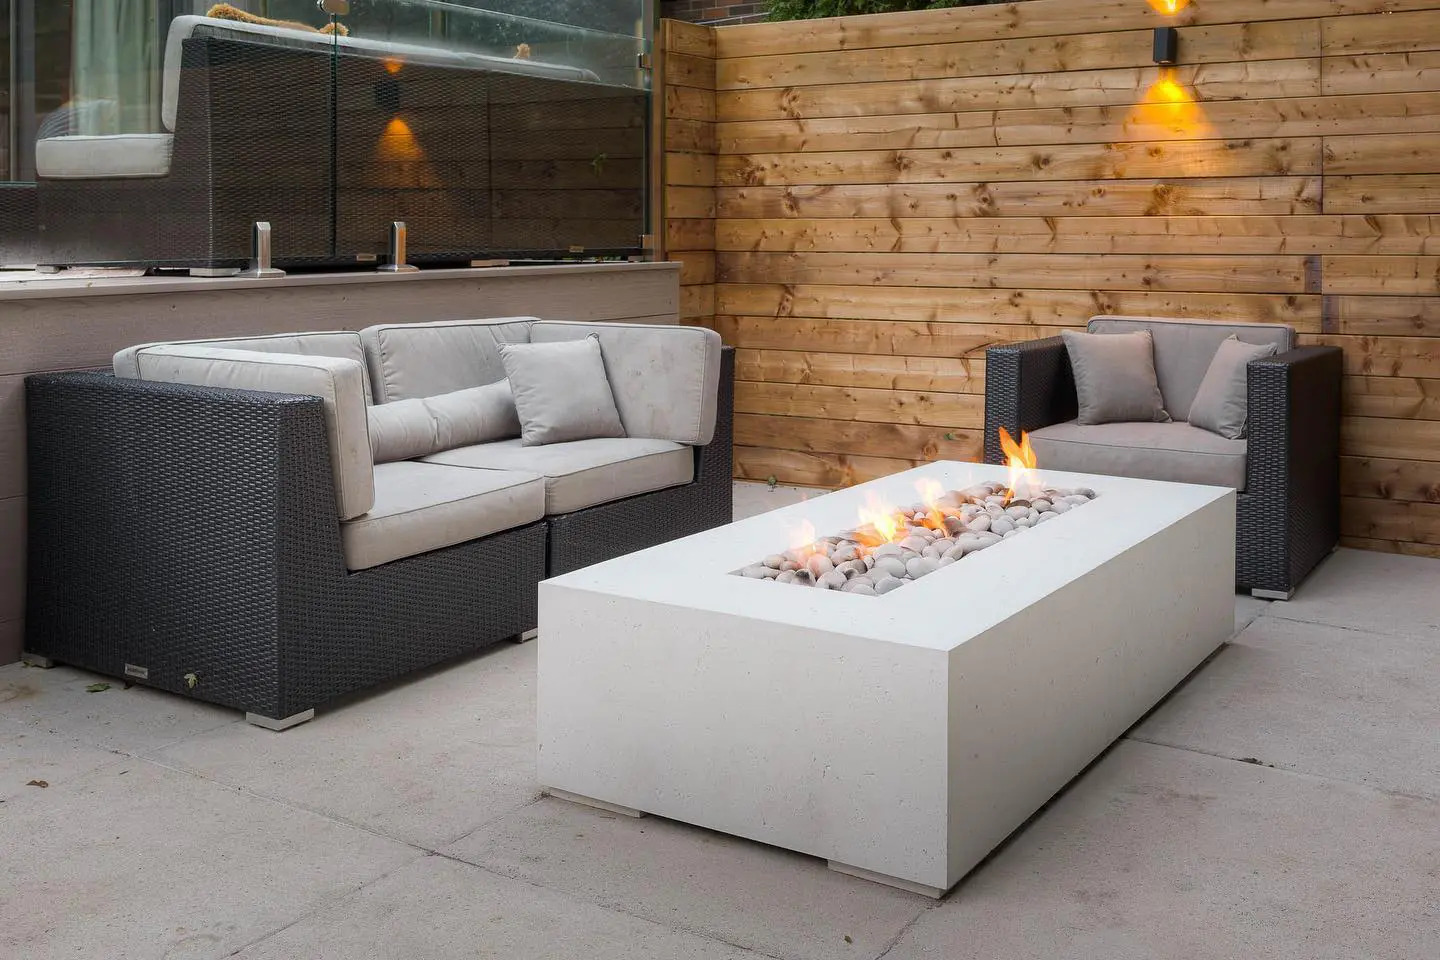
[(895, 546)]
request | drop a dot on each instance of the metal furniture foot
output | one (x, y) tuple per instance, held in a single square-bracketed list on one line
[(48, 268), (1272, 594), (910, 885), (269, 723), (592, 802), (214, 271), (35, 660), (525, 637)]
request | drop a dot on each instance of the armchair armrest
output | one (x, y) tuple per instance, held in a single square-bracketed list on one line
[(1027, 386), (665, 378), (1292, 484)]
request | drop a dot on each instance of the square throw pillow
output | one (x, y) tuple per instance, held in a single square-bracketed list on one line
[(561, 391), (1222, 405), (406, 429), (1115, 377)]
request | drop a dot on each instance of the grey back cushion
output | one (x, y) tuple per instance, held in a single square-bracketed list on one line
[(1223, 403), (341, 344), (666, 378), (561, 391), (1115, 377), (1184, 349), (409, 360)]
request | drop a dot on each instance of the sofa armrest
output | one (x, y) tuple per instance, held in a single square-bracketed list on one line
[(1292, 482), (144, 492), (1028, 385), (338, 382), (665, 378)]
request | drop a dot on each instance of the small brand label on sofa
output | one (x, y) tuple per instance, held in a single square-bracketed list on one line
[(142, 673)]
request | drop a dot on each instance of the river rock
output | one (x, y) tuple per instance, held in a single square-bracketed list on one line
[(819, 565), (887, 550), (946, 561), (1042, 504), (1025, 522), (1059, 507), (833, 580), (1012, 533), (885, 584), (892, 566), (755, 572), (980, 523), (786, 576), (1002, 526), (918, 567), (914, 544)]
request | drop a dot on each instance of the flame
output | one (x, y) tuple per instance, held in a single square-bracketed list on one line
[(878, 523), (802, 537), (1020, 459), (931, 490)]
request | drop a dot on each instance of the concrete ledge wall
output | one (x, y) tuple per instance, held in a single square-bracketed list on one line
[(79, 324)]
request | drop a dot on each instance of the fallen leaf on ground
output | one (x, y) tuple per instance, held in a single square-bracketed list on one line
[(38, 783), (97, 688)]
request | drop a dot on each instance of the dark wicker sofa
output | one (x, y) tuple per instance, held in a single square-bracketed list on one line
[(1287, 475), (188, 538)]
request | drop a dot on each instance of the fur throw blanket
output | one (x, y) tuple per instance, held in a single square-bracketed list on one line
[(223, 11)]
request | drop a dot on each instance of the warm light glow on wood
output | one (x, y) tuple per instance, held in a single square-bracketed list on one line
[(1169, 6), (1170, 110)]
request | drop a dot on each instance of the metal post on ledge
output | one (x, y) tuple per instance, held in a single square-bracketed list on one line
[(260, 253), (397, 264)]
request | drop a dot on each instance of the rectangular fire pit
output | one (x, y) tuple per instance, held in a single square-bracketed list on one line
[(900, 737)]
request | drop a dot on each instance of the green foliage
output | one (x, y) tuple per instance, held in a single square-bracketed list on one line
[(811, 9)]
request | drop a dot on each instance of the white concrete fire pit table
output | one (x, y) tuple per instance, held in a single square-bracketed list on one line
[(900, 737)]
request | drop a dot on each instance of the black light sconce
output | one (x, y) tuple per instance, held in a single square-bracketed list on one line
[(1167, 45)]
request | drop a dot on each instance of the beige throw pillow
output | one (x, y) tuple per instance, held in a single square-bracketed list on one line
[(1115, 377), (406, 429), (561, 391), (1222, 403)]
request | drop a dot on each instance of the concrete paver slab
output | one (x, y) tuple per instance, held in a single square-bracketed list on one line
[(139, 861), (439, 909), (1318, 699), (745, 893), (426, 761), (1158, 852)]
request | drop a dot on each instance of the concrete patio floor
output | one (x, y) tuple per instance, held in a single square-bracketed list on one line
[(1283, 803)]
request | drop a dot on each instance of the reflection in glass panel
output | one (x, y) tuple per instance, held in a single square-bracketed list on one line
[(163, 129)]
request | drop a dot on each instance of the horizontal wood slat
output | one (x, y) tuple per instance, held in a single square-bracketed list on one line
[(1092, 51), (1001, 306), (1182, 235), (948, 374), (1271, 196), (1197, 158), (1061, 271), (1207, 82), (815, 435)]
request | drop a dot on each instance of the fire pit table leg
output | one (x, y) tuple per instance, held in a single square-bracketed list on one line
[(909, 885), (592, 802)]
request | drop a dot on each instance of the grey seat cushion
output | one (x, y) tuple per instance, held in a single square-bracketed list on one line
[(116, 156), (1184, 349), (582, 473), (421, 507), (1174, 451)]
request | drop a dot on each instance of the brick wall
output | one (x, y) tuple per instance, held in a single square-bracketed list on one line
[(704, 11)]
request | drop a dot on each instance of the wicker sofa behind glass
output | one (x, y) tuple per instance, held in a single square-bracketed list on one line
[(186, 538), (1288, 514)]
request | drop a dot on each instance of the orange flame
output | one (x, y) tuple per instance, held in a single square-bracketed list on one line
[(1020, 459), (931, 491), (878, 524), (802, 537)]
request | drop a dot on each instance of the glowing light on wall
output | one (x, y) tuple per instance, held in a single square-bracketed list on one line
[(1169, 7), (1169, 110)]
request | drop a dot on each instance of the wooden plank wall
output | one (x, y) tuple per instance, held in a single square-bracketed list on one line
[(892, 193)]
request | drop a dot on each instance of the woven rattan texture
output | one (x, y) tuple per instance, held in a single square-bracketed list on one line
[(624, 526), (1027, 386), (1288, 518), (192, 532)]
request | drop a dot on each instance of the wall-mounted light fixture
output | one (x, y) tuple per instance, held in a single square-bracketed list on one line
[(1167, 45)]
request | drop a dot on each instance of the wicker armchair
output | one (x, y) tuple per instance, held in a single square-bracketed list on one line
[(1288, 510)]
